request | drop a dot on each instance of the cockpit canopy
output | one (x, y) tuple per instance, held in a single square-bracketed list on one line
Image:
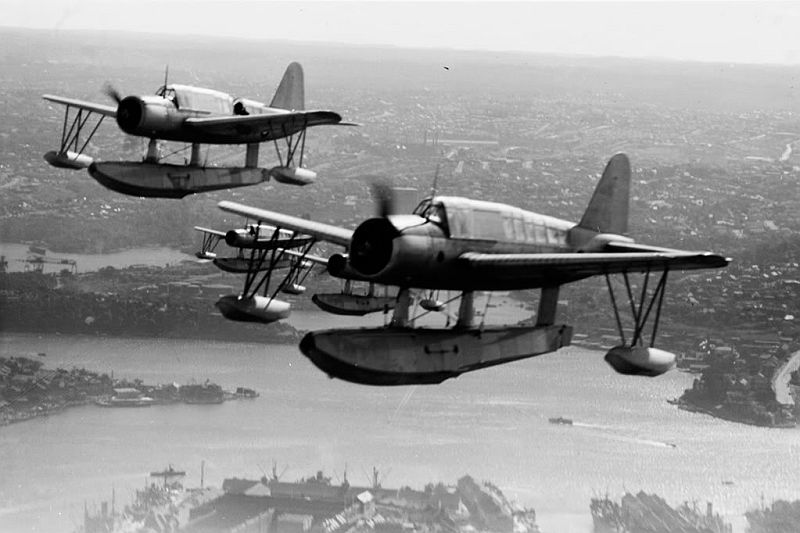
[(198, 99), (431, 209), (462, 218)]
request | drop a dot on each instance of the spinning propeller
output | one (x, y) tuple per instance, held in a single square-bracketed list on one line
[(384, 199), (111, 91)]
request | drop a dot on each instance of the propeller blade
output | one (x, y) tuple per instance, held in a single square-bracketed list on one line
[(383, 195), (112, 92)]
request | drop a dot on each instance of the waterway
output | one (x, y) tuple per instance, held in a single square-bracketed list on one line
[(14, 253), (492, 424)]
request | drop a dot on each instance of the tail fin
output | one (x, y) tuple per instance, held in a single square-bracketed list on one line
[(290, 94), (608, 209)]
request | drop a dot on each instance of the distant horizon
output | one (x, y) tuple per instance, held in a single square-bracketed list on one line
[(705, 32), (384, 46)]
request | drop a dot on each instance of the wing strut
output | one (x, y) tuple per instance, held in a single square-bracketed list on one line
[(70, 152), (641, 307), (210, 242), (275, 257), (293, 141)]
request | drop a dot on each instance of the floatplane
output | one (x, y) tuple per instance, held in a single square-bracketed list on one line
[(196, 116), (262, 251), (457, 244)]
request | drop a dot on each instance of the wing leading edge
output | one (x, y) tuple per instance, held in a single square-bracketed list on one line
[(107, 110), (319, 230)]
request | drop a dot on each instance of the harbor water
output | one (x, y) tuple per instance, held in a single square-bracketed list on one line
[(491, 424)]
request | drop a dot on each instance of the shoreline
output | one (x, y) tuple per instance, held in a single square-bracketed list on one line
[(780, 380), (780, 386), (723, 414), (31, 388)]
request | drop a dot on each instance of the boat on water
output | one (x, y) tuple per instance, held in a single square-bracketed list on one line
[(126, 397), (244, 392), (168, 472), (560, 420)]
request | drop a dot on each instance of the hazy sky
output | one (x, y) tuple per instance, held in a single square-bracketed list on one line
[(750, 32)]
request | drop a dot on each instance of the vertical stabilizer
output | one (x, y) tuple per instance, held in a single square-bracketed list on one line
[(608, 209), (290, 94)]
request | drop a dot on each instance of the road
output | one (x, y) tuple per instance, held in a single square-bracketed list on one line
[(780, 381)]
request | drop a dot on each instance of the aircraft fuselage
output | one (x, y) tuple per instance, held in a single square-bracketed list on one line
[(424, 250), (158, 117)]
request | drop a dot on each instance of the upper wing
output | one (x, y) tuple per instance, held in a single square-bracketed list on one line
[(220, 234), (324, 232), (558, 267), (107, 110), (309, 257), (270, 126)]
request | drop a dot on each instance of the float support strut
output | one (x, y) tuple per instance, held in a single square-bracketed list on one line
[(466, 310), (401, 308), (548, 304), (251, 158), (195, 160)]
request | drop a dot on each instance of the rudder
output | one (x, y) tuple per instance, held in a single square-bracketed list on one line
[(608, 208), (291, 93)]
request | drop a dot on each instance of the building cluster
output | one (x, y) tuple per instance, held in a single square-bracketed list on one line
[(28, 390), (642, 512), (315, 505)]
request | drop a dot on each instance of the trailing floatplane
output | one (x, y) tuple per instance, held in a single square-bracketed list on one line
[(457, 244), (267, 256), (196, 116)]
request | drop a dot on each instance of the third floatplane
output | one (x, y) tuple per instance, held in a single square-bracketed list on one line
[(458, 244), (198, 117)]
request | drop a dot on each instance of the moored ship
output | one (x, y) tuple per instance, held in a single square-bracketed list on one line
[(126, 397)]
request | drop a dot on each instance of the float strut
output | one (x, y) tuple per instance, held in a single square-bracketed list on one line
[(548, 304), (152, 152), (466, 310), (251, 158), (401, 308), (195, 160)]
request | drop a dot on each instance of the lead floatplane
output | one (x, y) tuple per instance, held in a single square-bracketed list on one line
[(195, 116), (457, 244)]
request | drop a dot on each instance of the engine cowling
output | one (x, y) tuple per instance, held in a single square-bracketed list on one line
[(147, 116), (253, 309), (240, 238), (372, 246), (293, 175), (640, 360)]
